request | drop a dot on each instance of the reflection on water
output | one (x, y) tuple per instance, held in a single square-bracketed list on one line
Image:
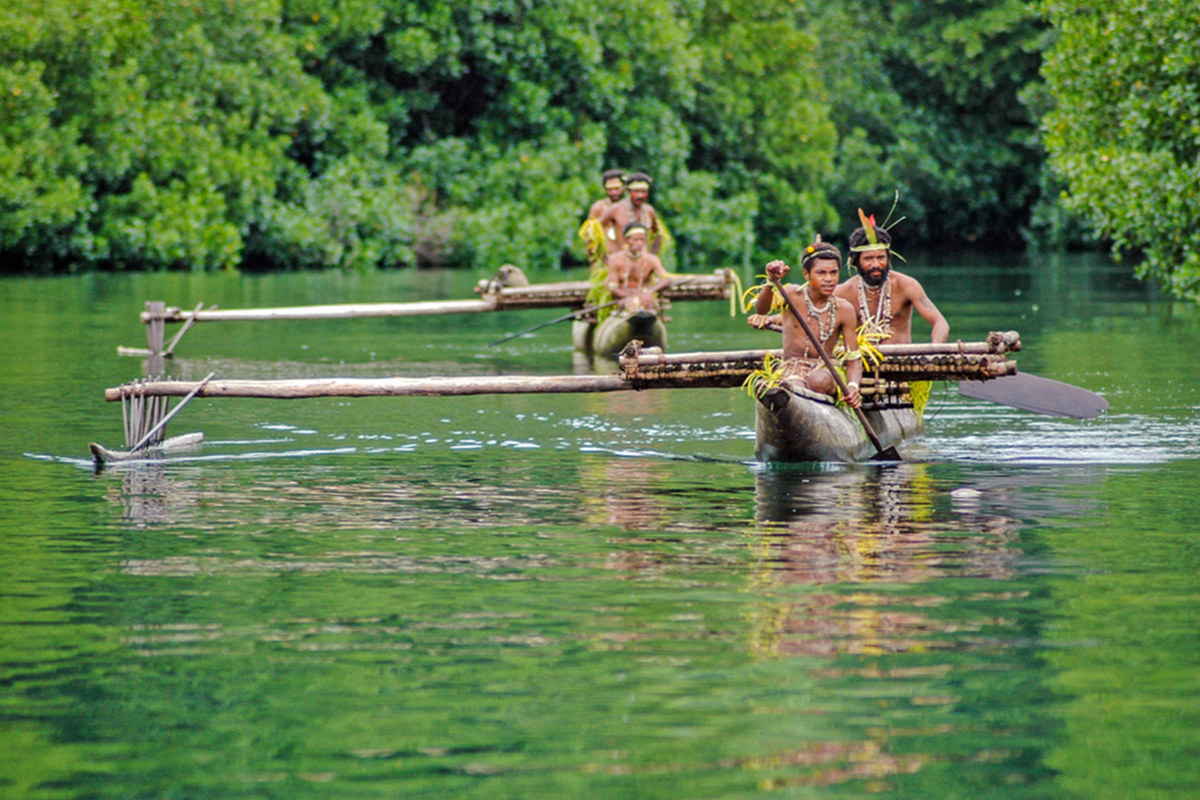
[(892, 587), (589, 596), (888, 588), (873, 524)]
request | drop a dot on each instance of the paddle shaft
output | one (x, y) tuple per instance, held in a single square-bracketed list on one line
[(572, 315), (564, 317), (837, 376)]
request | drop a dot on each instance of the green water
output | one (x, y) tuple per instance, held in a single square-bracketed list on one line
[(592, 596)]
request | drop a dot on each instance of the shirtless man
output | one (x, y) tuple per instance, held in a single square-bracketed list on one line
[(633, 208), (614, 187), (830, 318), (883, 298), (632, 272)]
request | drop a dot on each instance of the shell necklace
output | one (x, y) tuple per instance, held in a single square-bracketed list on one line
[(824, 316), (881, 320), (633, 267)]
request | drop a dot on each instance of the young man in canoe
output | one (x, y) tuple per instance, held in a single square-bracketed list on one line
[(884, 299), (829, 317), (635, 275), (633, 208)]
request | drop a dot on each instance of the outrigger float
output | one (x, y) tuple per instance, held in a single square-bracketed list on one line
[(175, 444), (792, 424)]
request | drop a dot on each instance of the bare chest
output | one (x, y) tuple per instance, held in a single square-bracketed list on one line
[(634, 272)]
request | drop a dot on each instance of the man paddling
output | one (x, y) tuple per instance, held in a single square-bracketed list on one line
[(829, 317), (882, 298), (633, 208), (635, 275)]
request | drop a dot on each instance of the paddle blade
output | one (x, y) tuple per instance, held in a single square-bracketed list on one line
[(1039, 395), (887, 454)]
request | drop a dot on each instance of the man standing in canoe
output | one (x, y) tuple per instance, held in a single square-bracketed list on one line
[(633, 208), (635, 275), (614, 187), (884, 299), (829, 316), (598, 238)]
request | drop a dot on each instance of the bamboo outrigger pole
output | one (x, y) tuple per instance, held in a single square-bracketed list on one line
[(422, 387), (547, 295), (641, 369), (344, 311)]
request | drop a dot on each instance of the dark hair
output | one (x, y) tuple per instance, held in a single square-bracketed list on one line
[(859, 238), (638, 176), (609, 174), (818, 250)]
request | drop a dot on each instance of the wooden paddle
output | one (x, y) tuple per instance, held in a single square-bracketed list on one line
[(1040, 395), (1028, 393), (574, 314), (881, 454)]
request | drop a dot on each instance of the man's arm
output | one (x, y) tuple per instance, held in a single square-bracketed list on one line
[(766, 296), (614, 217), (656, 231), (649, 296), (657, 270), (929, 312), (849, 292)]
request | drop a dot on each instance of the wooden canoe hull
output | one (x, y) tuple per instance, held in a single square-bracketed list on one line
[(103, 455), (619, 329), (795, 425)]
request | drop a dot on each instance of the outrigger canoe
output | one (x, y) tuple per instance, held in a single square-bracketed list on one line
[(617, 330), (793, 424)]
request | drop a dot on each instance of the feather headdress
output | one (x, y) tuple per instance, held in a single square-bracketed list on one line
[(868, 227)]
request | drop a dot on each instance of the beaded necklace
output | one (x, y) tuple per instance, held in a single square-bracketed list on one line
[(881, 320), (825, 318), (637, 213), (633, 266)]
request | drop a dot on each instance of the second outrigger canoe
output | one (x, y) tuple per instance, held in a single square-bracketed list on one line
[(618, 329), (793, 424)]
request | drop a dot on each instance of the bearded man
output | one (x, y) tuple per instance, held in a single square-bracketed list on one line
[(884, 299)]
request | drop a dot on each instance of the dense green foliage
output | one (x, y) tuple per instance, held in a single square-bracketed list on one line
[(359, 133), (1125, 133), (927, 101)]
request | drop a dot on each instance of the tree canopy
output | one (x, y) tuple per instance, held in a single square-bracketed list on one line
[(308, 134), (1125, 130)]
